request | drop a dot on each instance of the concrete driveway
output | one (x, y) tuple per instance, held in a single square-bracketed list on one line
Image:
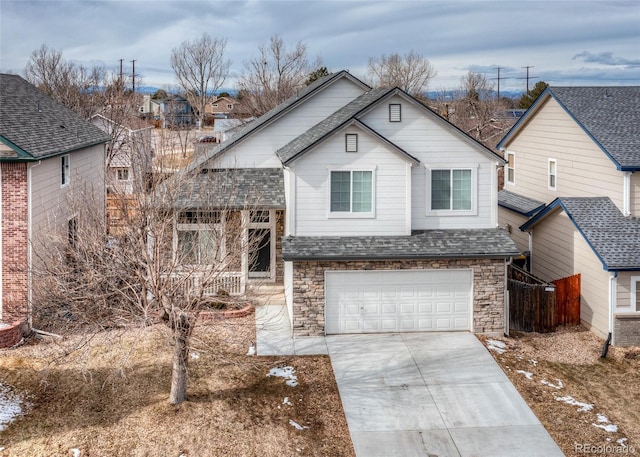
[(431, 394)]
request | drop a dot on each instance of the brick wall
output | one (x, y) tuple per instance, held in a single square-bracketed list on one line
[(14, 241), (308, 289), (627, 330)]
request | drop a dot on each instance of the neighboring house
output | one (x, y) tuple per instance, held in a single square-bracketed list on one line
[(376, 214), (572, 198), (46, 153), (129, 154), (220, 106), (173, 111)]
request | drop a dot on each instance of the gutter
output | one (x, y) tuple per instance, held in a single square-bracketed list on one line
[(312, 257), (29, 241)]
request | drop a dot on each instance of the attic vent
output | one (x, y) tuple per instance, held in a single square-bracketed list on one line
[(395, 113), (351, 141)]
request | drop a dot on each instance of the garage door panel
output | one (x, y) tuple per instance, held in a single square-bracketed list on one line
[(403, 300)]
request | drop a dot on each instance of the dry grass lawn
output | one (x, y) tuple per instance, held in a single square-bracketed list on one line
[(108, 397), (570, 361)]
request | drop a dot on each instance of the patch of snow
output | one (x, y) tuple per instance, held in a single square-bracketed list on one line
[(194, 355), (621, 441), (559, 384), (296, 425), (75, 452), (497, 346), (287, 373), (607, 427), (286, 401), (252, 349), (4, 325), (533, 362), (572, 401), (10, 406), (527, 374)]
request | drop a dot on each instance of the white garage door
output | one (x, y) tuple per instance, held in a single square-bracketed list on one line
[(397, 301)]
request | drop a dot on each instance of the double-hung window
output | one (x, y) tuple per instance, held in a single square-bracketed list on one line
[(510, 168), (199, 236), (451, 189), (553, 174), (352, 192)]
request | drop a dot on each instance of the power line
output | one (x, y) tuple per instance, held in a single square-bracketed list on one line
[(528, 77)]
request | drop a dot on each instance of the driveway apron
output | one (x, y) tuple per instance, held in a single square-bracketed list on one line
[(431, 394)]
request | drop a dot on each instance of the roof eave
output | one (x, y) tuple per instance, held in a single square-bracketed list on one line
[(380, 257)]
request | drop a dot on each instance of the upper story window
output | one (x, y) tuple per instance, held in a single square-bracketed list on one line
[(553, 174), (395, 112), (510, 168), (635, 293), (351, 142), (352, 192), (215, 105), (452, 189), (229, 106), (65, 170), (122, 174)]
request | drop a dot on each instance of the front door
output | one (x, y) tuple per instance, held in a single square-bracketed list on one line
[(260, 259)]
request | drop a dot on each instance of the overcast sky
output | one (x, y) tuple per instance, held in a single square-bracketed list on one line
[(585, 42)]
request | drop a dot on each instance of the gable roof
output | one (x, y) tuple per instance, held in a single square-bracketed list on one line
[(610, 116), (523, 205), (36, 126), (614, 238), (277, 113), (350, 113)]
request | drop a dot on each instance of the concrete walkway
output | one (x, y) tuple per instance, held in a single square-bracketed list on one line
[(418, 394)]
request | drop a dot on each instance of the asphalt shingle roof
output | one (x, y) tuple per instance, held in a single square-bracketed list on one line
[(37, 125), (233, 188), (614, 238), (427, 244), (329, 124), (523, 205)]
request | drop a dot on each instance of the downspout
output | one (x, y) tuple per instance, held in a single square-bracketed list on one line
[(626, 193), (506, 295), (612, 300), (29, 241)]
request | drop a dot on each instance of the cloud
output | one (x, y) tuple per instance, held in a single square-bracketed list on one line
[(606, 58)]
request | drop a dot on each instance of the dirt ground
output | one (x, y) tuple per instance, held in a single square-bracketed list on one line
[(589, 405), (107, 396)]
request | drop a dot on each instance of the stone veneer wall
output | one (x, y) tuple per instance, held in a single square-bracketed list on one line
[(308, 289), (14, 242), (279, 235), (627, 330)]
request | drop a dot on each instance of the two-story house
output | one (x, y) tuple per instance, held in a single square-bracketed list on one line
[(379, 216), (46, 154), (572, 199)]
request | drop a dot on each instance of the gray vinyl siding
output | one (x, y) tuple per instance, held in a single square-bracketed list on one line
[(432, 143), (560, 251), (50, 202), (391, 178), (258, 150), (514, 220), (583, 169), (623, 293)]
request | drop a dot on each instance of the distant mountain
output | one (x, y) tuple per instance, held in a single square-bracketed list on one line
[(437, 94), (150, 90)]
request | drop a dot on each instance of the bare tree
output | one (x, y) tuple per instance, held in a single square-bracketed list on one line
[(274, 75), (176, 251), (476, 110), (411, 72), (201, 70)]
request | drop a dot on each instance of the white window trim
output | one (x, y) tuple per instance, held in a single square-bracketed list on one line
[(513, 168), (349, 214), (635, 291), (555, 186), (65, 173), (271, 226), (118, 170), (474, 190)]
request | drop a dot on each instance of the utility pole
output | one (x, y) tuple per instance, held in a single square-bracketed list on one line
[(121, 81), (133, 76), (527, 78), (498, 78)]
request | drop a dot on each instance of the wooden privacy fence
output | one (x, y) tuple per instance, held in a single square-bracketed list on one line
[(532, 302), (568, 300)]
